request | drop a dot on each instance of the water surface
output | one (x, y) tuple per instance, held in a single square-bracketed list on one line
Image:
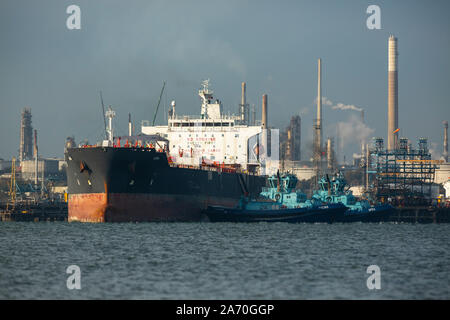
[(224, 260)]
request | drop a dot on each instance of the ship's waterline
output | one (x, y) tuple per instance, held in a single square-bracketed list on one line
[(141, 207)]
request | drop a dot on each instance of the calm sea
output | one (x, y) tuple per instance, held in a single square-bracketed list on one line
[(224, 261)]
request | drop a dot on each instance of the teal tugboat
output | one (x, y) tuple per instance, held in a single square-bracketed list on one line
[(337, 190), (279, 202)]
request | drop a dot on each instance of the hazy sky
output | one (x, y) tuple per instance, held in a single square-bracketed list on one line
[(128, 48)]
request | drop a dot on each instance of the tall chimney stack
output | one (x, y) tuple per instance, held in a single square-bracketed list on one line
[(319, 103), (445, 153), (392, 94), (330, 155), (130, 130), (318, 122), (35, 158), (264, 112), (253, 122), (244, 107)]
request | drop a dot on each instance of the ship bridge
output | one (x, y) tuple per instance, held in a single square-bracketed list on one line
[(210, 136)]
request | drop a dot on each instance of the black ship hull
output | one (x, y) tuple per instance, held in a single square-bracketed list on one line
[(107, 184), (320, 214)]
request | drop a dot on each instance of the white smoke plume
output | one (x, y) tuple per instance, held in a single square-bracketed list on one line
[(353, 131), (325, 101), (339, 106), (304, 111), (434, 151)]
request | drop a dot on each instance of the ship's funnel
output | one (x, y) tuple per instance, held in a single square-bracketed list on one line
[(392, 94), (264, 112)]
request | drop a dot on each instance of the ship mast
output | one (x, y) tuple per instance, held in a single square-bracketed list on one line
[(206, 96)]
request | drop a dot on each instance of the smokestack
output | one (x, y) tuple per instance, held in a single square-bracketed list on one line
[(318, 123), (264, 112), (363, 142), (392, 94), (35, 147), (130, 131), (445, 153), (42, 180), (367, 165), (35, 158), (244, 106), (253, 115), (265, 137), (330, 153), (319, 102)]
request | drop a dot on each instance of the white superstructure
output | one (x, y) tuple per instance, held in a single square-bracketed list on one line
[(210, 137)]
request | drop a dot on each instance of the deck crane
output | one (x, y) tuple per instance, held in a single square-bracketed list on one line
[(103, 113), (159, 101)]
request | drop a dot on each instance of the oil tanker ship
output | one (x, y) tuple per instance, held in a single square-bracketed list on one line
[(146, 178)]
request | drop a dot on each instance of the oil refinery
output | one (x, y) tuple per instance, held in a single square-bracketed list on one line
[(399, 173)]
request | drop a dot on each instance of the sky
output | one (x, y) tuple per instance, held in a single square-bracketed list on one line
[(126, 49)]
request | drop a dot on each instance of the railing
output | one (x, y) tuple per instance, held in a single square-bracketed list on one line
[(196, 118)]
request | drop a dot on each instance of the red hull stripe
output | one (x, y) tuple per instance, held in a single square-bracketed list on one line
[(130, 207)]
